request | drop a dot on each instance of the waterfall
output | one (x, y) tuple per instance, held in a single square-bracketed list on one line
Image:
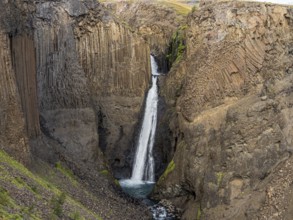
[(143, 168)]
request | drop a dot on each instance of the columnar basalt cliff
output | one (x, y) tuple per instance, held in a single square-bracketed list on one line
[(91, 67), (230, 102), (13, 138), (14, 84), (117, 68), (153, 20), (72, 83)]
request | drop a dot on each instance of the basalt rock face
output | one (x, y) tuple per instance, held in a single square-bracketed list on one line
[(92, 75), (153, 21), (72, 81), (12, 137), (17, 97), (117, 67), (230, 106), (78, 67)]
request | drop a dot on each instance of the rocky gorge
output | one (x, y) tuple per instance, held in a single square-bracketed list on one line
[(73, 81)]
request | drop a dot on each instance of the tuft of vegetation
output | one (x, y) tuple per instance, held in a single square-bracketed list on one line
[(76, 216), (7, 204), (5, 199), (66, 172), (194, 8), (168, 170), (104, 172), (177, 46), (57, 203), (198, 215), (220, 176), (116, 182)]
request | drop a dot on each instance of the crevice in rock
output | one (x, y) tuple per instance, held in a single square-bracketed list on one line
[(102, 130)]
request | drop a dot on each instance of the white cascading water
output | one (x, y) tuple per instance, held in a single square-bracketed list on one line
[(143, 168), (143, 173)]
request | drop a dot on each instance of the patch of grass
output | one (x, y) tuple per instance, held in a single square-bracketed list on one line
[(179, 7), (13, 171), (5, 199), (5, 158), (27, 213), (7, 204), (66, 172), (220, 176), (57, 203), (76, 216), (9, 216)]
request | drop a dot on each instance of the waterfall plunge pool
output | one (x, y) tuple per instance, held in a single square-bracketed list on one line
[(137, 189), (141, 190)]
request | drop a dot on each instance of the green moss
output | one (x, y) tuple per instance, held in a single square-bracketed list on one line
[(104, 172), (169, 169), (198, 215), (116, 182), (220, 176)]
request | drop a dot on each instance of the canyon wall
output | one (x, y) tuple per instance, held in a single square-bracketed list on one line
[(81, 77), (72, 86), (155, 21), (230, 105)]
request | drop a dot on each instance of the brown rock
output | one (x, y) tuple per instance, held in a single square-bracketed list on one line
[(228, 140)]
